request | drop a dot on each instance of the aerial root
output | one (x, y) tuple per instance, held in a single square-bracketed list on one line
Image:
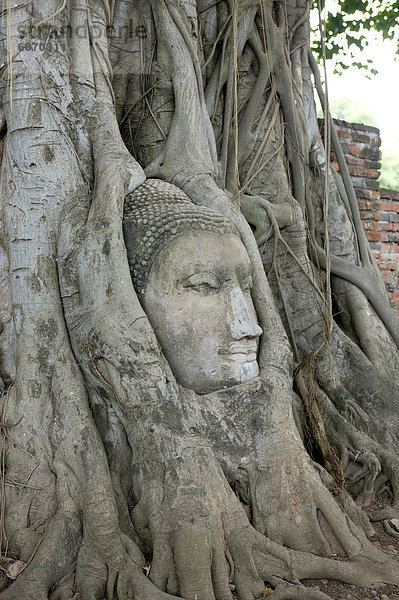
[(289, 591), (368, 472), (391, 527), (126, 583), (374, 459), (65, 589), (293, 566), (112, 578), (28, 589), (370, 568), (132, 583), (389, 513), (53, 559), (119, 576)]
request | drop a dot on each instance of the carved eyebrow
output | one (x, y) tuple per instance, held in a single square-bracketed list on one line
[(243, 270), (199, 266)]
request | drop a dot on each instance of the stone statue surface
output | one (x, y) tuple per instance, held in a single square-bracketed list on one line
[(194, 279)]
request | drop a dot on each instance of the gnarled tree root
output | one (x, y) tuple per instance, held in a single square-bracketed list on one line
[(55, 558)]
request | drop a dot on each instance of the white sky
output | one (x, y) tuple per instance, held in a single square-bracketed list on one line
[(378, 95)]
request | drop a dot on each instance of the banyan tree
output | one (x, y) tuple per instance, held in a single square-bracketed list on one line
[(199, 363)]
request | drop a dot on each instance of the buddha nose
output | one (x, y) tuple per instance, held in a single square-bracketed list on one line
[(243, 322)]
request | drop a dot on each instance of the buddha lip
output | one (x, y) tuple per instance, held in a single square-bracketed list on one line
[(250, 350), (241, 358)]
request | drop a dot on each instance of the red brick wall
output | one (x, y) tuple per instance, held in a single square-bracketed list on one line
[(379, 208), (386, 248)]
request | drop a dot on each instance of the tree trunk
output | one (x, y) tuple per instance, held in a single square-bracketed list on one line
[(117, 481)]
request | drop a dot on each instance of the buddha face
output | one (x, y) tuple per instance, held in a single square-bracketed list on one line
[(198, 300)]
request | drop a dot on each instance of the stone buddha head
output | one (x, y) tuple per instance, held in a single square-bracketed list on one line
[(193, 277)]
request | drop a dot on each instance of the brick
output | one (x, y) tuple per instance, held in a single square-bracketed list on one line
[(343, 133), (354, 160), (361, 137), (358, 183), (363, 205), (372, 164), (345, 148), (362, 172), (361, 182), (364, 151), (369, 216), (370, 205), (387, 226), (368, 194), (355, 150), (388, 249), (387, 274), (390, 226), (379, 208), (373, 237), (386, 264), (384, 193), (372, 226), (375, 141), (389, 206), (389, 194)]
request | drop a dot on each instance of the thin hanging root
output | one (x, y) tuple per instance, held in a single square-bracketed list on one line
[(354, 207), (307, 387), (10, 59), (221, 32), (269, 209), (367, 278), (3, 452), (261, 151), (245, 135)]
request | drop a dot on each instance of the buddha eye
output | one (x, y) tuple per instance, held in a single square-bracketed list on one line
[(203, 283)]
